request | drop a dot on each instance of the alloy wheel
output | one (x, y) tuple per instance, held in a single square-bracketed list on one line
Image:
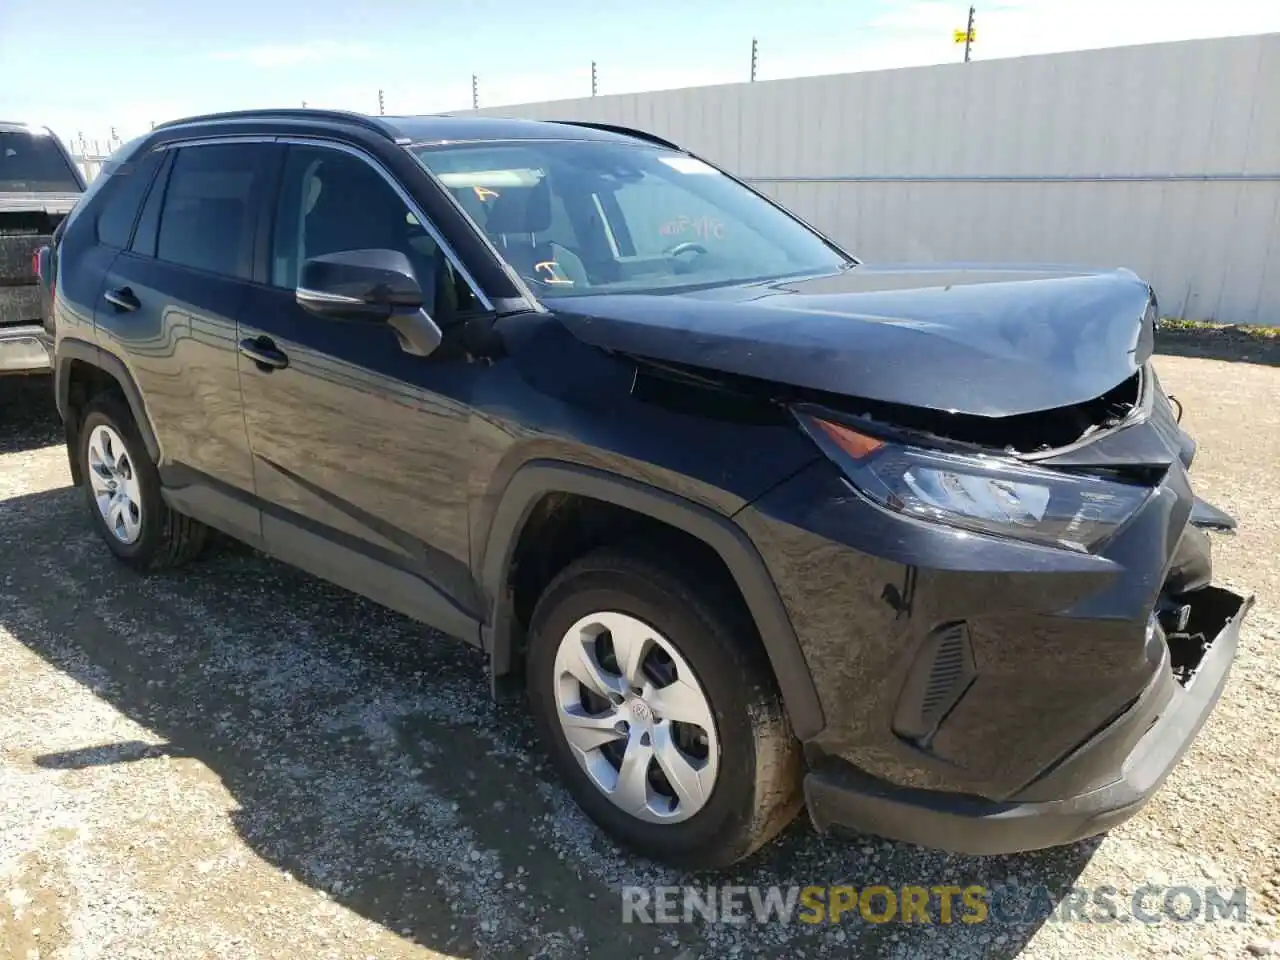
[(636, 718), (114, 483)]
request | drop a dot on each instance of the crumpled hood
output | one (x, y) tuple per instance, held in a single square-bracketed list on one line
[(989, 341)]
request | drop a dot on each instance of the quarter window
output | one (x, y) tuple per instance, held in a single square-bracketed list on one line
[(128, 185)]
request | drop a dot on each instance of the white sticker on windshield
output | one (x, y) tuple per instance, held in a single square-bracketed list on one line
[(688, 165)]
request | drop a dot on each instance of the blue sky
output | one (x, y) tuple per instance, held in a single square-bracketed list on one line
[(124, 63)]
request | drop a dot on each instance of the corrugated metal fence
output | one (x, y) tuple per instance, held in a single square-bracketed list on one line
[(1162, 158)]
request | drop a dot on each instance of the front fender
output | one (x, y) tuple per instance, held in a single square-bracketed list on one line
[(538, 478)]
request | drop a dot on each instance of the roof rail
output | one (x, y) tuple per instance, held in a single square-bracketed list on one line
[(289, 113), (624, 131)]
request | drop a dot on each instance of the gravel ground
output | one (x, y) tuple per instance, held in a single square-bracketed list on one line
[(240, 761)]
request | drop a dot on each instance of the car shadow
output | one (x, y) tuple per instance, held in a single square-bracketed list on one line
[(367, 760), (28, 415)]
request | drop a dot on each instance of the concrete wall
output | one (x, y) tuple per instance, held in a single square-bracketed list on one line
[(1162, 158)]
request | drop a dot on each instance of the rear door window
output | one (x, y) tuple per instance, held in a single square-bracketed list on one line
[(32, 162), (207, 221)]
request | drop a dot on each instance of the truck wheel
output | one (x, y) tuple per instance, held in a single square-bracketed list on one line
[(660, 712), (123, 491)]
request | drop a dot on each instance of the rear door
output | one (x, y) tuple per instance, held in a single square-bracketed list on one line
[(169, 310), (89, 240)]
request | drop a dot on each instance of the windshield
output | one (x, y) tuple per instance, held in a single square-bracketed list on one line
[(33, 163), (581, 217)]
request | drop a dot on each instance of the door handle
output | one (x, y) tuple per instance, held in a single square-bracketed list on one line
[(122, 298), (264, 353)]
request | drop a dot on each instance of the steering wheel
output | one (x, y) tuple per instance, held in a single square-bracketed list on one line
[(687, 247)]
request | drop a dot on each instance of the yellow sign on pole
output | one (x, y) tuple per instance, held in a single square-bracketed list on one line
[(960, 36)]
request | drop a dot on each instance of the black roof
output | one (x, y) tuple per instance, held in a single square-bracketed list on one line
[(438, 128)]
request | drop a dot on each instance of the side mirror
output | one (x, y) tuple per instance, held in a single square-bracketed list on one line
[(358, 285), (370, 285)]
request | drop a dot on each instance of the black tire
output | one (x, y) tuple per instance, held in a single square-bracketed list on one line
[(757, 788), (167, 538)]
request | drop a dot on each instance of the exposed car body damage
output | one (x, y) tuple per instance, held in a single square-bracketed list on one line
[(1027, 434)]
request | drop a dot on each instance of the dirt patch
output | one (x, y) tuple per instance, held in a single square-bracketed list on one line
[(35, 911)]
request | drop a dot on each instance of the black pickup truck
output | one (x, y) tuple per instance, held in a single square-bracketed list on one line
[(39, 184)]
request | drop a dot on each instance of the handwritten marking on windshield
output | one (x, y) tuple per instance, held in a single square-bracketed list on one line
[(549, 271), (706, 228)]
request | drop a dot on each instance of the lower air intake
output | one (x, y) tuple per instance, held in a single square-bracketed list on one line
[(941, 673)]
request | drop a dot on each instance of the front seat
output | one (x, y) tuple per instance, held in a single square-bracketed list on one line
[(515, 219)]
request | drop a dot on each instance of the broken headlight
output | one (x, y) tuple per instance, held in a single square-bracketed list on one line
[(984, 494)]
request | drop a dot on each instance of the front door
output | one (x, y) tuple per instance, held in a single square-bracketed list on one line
[(360, 449)]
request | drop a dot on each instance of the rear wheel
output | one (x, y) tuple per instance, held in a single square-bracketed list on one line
[(122, 487), (659, 710)]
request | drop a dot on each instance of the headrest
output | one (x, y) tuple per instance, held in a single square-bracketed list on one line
[(521, 210)]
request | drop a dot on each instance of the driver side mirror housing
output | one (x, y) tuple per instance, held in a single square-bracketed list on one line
[(376, 286)]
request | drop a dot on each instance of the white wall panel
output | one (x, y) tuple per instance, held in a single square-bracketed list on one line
[(1162, 158)]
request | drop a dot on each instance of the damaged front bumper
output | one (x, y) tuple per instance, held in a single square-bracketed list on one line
[(1123, 764)]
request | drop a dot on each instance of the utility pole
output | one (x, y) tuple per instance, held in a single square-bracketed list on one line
[(381, 110), (475, 92), (968, 36), (754, 50), (593, 78)]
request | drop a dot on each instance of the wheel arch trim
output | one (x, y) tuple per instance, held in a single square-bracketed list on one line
[(538, 478), (69, 350)]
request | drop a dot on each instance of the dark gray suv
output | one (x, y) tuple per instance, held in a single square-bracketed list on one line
[(755, 524)]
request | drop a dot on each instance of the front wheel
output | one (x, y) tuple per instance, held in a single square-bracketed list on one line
[(660, 712)]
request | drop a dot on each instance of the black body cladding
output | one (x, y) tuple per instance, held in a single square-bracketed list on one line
[(934, 676)]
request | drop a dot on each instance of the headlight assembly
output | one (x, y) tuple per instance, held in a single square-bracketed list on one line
[(989, 495)]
